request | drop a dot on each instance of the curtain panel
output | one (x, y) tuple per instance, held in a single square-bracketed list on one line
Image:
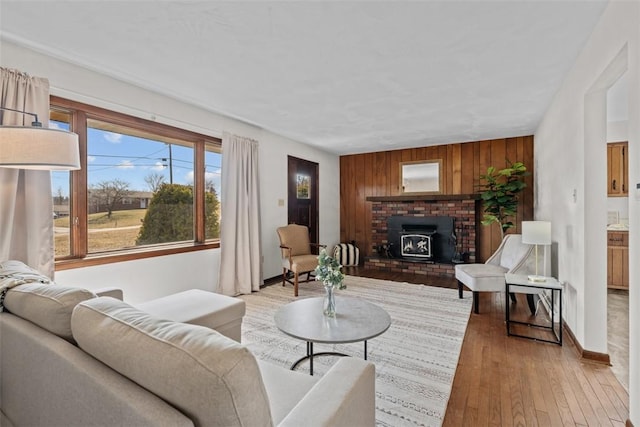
[(241, 253), (26, 206)]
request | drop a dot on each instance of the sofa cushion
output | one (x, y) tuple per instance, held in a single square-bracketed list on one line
[(286, 387), (48, 306), (197, 307), (210, 378)]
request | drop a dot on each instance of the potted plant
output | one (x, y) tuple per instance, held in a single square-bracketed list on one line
[(329, 272), (500, 191)]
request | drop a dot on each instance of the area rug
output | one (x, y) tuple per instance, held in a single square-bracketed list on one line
[(415, 358)]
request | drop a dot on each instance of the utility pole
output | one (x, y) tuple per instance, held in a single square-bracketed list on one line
[(170, 164)]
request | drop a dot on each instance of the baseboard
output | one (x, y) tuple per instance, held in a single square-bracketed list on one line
[(586, 354), (272, 280)]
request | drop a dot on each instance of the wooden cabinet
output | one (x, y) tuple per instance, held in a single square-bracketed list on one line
[(617, 169), (618, 259)]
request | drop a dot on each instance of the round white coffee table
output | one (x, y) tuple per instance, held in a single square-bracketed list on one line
[(356, 320)]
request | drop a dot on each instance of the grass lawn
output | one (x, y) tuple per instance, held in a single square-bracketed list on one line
[(113, 239), (107, 239), (100, 220)]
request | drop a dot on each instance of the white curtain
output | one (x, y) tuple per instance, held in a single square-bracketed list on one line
[(241, 254), (26, 206)]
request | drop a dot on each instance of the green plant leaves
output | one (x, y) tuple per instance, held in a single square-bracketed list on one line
[(500, 192)]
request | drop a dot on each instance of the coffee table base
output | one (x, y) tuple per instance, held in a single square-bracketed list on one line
[(310, 355)]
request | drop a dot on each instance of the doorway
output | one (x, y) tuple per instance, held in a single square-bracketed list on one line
[(618, 230), (302, 194)]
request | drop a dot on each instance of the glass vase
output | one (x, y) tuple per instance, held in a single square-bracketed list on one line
[(329, 301)]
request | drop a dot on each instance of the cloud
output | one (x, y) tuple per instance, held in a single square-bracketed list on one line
[(91, 159), (114, 138), (158, 167), (126, 164), (54, 125), (189, 177)]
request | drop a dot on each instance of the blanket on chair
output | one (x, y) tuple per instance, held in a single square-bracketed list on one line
[(14, 273)]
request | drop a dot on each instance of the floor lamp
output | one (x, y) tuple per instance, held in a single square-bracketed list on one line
[(35, 147), (536, 233)]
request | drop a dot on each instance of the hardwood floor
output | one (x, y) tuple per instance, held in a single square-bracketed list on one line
[(509, 381), (618, 334)]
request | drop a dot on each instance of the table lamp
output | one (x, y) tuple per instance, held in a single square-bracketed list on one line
[(536, 233)]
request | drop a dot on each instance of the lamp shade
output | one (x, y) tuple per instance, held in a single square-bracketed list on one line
[(23, 147), (536, 232)]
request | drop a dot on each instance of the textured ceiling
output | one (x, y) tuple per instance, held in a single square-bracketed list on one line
[(347, 76)]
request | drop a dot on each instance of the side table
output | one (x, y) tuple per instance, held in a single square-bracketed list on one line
[(551, 284)]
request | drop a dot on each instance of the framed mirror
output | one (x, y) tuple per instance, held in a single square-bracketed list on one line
[(421, 177)]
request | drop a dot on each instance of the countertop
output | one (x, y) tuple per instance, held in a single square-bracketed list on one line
[(618, 227)]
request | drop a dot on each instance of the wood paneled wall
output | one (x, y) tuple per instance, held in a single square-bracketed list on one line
[(378, 174)]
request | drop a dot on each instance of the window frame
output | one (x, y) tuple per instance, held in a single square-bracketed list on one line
[(79, 255)]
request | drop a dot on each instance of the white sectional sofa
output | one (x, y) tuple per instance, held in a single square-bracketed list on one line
[(71, 358)]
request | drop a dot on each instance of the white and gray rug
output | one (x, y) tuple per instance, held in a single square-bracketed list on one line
[(415, 358)]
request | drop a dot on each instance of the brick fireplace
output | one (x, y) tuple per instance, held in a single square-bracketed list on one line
[(463, 209)]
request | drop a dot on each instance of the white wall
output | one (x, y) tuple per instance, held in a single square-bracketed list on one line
[(149, 278), (195, 269), (570, 155)]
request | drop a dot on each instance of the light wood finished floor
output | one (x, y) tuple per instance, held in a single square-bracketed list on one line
[(618, 334), (509, 381)]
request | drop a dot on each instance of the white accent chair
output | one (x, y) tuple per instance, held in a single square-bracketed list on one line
[(512, 256)]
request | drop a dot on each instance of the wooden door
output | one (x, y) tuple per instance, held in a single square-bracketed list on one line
[(303, 194)]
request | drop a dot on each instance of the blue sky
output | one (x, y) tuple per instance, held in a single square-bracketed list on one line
[(130, 159)]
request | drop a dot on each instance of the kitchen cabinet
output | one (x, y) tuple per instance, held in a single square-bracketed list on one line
[(617, 170), (618, 260)]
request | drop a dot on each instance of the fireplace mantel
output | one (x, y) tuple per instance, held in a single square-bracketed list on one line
[(423, 197)]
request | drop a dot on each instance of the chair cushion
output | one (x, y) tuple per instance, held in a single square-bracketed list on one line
[(207, 376), (295, 237), (48, 306), (513, 251), (481, 277), (302, 263)]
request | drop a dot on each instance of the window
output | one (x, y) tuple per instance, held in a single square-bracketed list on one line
[(60, 191), (144, 188), (213, 191)]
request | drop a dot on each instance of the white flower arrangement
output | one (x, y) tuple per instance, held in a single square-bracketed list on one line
[(329, 271)]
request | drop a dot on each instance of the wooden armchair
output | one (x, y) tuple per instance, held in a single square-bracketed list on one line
[(297, 257)]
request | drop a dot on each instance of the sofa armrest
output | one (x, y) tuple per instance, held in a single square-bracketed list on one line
[(344, 396), (110, 292)]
